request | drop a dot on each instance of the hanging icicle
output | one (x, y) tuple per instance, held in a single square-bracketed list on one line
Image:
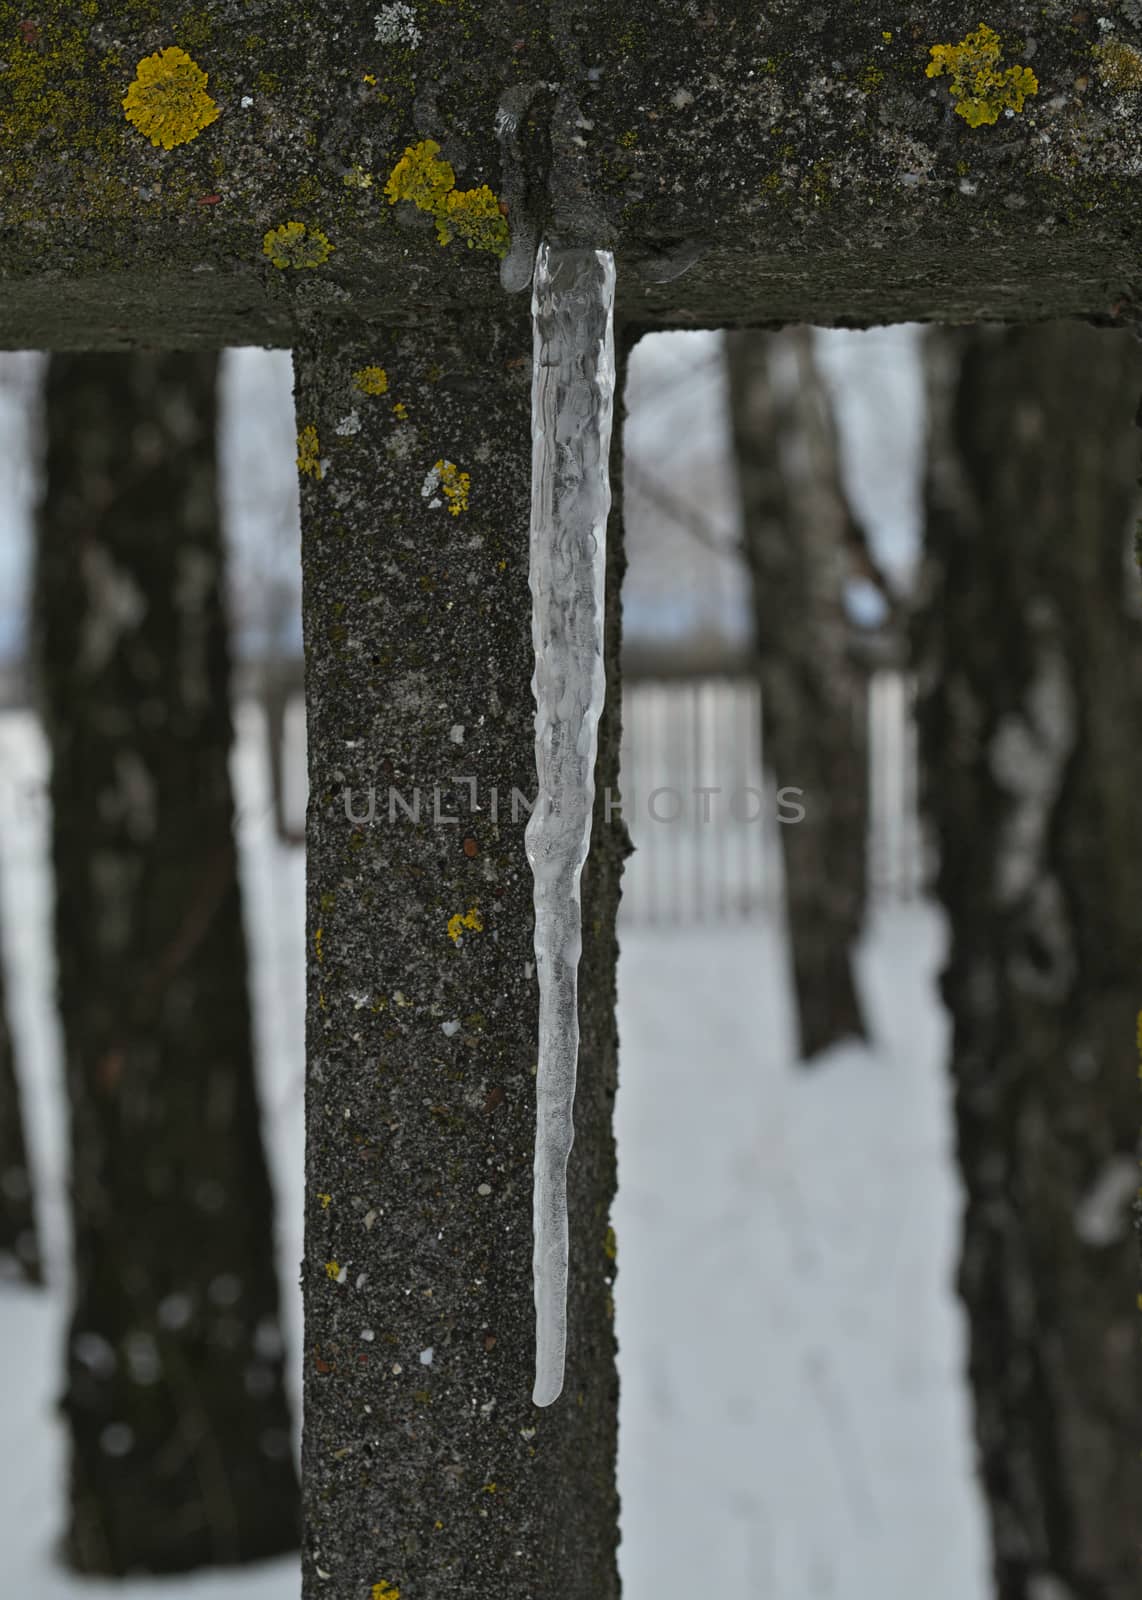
[(573, 382)]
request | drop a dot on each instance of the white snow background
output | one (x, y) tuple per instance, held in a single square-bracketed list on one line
[(793, 1417)]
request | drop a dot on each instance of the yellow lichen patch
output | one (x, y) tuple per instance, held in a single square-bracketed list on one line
[(332, 1270), (400, 411), (979, 86), (326, 1201), (309, 453), (371, 380), (424, 178), (1119, 64), (294, 245), (475, 216), (454, 485), (421, 177), (470, 919), (384, 1591), (610, 1245), (168, 100), (358, 178)]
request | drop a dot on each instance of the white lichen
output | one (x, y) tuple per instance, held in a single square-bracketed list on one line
[(396, 24)]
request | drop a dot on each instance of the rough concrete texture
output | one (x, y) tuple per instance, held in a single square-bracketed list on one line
[(427, 1468), (790, 163)]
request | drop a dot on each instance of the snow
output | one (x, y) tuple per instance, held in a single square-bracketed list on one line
[(793, 1416), (793, 1420), (573, 386)]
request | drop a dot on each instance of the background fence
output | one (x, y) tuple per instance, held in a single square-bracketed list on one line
[(716, 856), (712, 857)]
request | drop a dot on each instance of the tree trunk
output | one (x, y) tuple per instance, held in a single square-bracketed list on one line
[(180, 1438), (426, 1467), (19, 1239), (795, 520), (1030, 648)]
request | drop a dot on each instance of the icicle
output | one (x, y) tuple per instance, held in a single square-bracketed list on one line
[(572, 391)]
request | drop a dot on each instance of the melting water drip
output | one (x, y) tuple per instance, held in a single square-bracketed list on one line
[(573, 381)]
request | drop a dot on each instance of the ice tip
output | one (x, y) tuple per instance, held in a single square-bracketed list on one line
[(547, 1390), (518, 265)]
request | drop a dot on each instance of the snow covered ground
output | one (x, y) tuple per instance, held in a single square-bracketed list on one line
[(793, 1419)]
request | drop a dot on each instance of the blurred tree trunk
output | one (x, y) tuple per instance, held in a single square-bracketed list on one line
[(19, 1239), (1030, 650), (796, 524), (181, 1452)]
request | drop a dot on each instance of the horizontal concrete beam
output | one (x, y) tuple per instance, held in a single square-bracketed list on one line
[(745, 165)]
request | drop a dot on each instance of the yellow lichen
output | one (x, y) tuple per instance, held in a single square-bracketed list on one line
[(168, 101), (400, 411), (455, 485), (294, 245), (309, 453), (1119, 64), (427, 181), (421, 177), (475, 216), (470, 919), (384, 1591), (371, 380), (980, 88), (357, 177), (610, 1245), (326, 1201), (332, 1270)]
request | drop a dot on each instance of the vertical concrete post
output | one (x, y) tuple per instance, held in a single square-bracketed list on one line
[(427, 1469)]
